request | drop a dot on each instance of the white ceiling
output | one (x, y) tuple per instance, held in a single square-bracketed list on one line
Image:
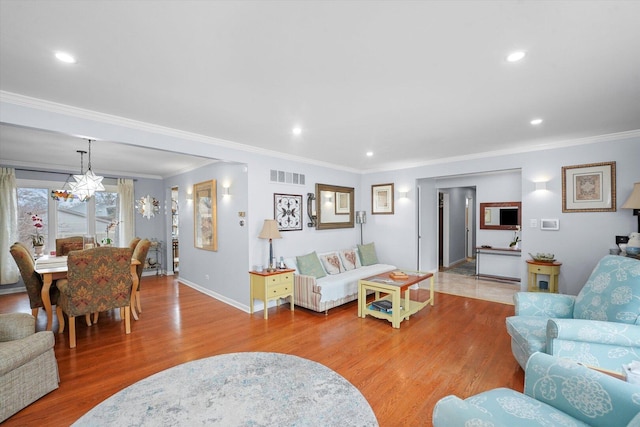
[(411, 81)]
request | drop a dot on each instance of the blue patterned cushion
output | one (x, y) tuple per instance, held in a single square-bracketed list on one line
[(594, 343), (557, 392), (309, 265), (612, 292), (543, 304), (529, 334)]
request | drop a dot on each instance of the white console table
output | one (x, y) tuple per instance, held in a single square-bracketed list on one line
[(498, 263)]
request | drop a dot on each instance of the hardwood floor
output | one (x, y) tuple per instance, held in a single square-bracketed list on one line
[(459, 346)]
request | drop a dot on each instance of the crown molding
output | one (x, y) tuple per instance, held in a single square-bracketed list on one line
[(54, 107), (611, 137)]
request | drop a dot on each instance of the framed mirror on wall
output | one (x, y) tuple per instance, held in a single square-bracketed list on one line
[(500, 216), (334, 206)]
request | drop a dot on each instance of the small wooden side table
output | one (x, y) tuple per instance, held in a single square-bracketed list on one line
[(271, 285), (552, 269)]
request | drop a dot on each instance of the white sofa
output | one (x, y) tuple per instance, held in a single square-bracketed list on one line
[(336, 287)]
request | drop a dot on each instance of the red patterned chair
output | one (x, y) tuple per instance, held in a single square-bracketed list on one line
[(98, 279)]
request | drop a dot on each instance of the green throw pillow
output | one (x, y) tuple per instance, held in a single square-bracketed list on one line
[(309, 265), (368, 254)]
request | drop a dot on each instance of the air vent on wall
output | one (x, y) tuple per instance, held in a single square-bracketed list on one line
[(287, 177)]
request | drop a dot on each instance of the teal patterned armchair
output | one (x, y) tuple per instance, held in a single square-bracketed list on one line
[(98, 279), (599, 327), (557, 392)]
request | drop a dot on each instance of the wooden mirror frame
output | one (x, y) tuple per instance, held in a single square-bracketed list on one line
[(483, 206), (349, 216)]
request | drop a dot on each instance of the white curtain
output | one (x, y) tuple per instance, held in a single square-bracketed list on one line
[(127, 211), (9, 272)]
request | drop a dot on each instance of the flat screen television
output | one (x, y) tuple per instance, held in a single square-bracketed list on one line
[(509, 216)]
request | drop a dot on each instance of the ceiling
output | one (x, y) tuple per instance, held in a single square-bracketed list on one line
[(414, 82)]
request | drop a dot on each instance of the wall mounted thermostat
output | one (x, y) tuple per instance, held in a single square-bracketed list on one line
[(549, 224)]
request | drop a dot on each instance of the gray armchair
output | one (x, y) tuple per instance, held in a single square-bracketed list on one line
[(28, 366)]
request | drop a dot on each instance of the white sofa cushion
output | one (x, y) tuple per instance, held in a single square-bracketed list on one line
[(338, 286), (349, 259), (331, 263)]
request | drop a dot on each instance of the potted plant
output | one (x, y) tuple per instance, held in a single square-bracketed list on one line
[(515, 242), (107, 241), (37, 240)]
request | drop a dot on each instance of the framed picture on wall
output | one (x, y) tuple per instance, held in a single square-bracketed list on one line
[(204, 216), (287, 211), (343, 205), (589, 188), (382, 199)]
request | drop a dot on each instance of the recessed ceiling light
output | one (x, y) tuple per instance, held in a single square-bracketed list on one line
[(65, 57), (296, 130), (516, 56), (369, 153), (536, 121)]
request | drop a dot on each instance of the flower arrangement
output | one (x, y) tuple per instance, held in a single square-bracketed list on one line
[(36, 239), (111, 226), (516, 238)]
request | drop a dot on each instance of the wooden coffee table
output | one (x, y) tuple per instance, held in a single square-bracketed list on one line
[(401, 308)]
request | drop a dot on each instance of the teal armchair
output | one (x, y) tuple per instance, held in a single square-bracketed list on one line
[(599, 327), (557, 392)]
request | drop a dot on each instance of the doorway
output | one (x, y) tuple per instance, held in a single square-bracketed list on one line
[(456, 226)]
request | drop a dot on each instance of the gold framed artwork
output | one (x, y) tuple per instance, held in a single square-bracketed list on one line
[(382, 199), (589, 188), (205, 216)]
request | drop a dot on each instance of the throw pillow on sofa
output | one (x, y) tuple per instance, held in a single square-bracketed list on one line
[(331, 263), (368, 254), (309, 265), (349, 259)]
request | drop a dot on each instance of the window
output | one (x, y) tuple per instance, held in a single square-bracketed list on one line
[(32, 201), (65, 218)]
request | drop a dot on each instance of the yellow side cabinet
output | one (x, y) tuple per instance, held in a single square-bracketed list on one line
[(552, 269), (271, 285)]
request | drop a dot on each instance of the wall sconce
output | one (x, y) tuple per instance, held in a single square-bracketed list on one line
[(190, 194), (541, 185), (225, 192), (404, 194)]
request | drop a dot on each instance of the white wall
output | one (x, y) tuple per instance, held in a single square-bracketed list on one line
[(583, 237)]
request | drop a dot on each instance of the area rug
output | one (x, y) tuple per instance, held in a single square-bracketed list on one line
[(237, 389), (467, 268)]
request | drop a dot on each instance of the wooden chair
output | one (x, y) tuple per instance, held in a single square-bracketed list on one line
[(98, 279), (67, 244), (140, 254), (31, 279)]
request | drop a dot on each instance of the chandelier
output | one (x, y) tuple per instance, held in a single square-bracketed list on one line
[(88, 183)]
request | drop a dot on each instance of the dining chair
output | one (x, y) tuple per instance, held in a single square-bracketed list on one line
[(98, 279), (65, 245), (134, 242), (31, 279), (140, 254)]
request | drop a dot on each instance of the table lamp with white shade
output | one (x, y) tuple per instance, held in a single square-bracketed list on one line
[(633, 202), (270, 231)]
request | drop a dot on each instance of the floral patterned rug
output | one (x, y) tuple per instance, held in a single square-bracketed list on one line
[(237, 389)]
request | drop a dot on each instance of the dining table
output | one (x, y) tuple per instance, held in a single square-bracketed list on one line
[(52, 268)]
